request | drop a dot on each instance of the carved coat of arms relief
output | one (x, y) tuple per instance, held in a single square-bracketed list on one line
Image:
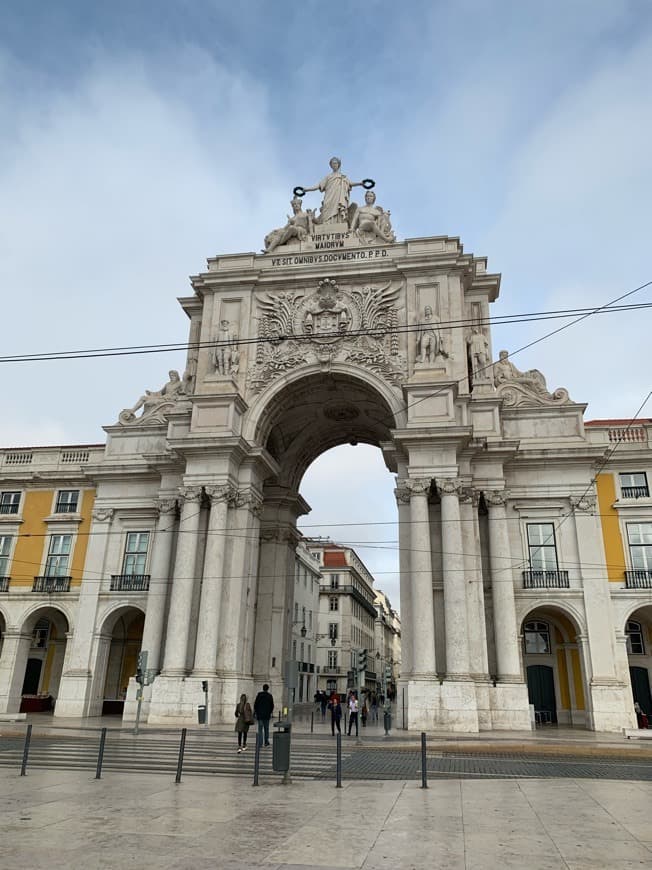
[(325, 325)]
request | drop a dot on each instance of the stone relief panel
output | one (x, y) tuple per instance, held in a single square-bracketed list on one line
[(329, 324), (528, 388)]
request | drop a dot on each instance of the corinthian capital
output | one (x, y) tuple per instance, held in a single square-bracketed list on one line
[(583, 502), (167, 505), (402, 493), (449, 485), (418, 485), (190, 493), (496, 497), (219, 493)]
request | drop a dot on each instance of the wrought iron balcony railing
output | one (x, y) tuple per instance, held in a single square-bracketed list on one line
[(51, 584), (545, 580), (331, 669), (129, 582), (634, 491), (4, 584), (638, 579)]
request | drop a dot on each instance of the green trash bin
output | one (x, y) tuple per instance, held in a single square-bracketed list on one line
[(201, 714)]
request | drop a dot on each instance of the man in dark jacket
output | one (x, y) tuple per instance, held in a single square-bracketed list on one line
[(263, 709)]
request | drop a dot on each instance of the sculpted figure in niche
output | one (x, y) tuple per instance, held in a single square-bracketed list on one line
[(371, 219), (479, 355), (429, 338), (226, 355), (336, 188), (506, 372), (151, 400), (298, 226)]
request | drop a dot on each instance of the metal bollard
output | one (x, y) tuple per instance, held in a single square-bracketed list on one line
[(182, 749), (338, 763), (100, 755), (424, 780), (256, 759), (312, 722), (28, 738)]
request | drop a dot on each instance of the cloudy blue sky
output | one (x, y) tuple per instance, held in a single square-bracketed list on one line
[(136, 139)]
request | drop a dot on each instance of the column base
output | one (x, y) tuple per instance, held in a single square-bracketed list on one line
[(510, 707), (73, 699), (174, 700), (612, 708), (449, 706)]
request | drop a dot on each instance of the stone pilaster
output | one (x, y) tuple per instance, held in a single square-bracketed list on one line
[(183, 583), (159, 582), (13, 661), (477, 626), (75, 690)]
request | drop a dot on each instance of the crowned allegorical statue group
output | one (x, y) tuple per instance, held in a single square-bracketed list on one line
[(369, 222)]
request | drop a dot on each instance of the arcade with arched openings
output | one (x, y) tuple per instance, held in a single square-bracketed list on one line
[(638, 631), (552, 661), (41, 656), (120, 641)]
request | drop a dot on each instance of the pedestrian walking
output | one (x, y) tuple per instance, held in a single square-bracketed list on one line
[(323, 701), (336, 714), (353, 713), (263, 709), (244, 717)]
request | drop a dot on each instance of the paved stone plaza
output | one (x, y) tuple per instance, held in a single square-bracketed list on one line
[(58, 819)]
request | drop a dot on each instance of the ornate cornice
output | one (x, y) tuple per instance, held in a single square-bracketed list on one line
[(584, 503)]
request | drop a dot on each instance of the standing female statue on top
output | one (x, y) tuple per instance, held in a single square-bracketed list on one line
[(336, 188)]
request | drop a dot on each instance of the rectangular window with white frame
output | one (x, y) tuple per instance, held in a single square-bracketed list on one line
[(5, 552), (333, 603), (633, 484), (542, 549), (639, 537), (135, 555), (332, 658), (58, 558), (67, 501), (9, 502)]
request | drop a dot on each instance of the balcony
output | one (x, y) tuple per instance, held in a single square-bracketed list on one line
[(4, 584), (634, 492), (129, 582), (545, 580), (639, 579), (51, 584), (331, 669)]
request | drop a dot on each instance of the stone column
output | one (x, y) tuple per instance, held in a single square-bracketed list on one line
[(211, 590), (423, 617), (402, 494), (158, 583), (455, 614), (183, 583), (13, 661), (502, 590), (477, 626)]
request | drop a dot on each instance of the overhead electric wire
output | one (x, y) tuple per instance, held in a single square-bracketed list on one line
[(496, 320)]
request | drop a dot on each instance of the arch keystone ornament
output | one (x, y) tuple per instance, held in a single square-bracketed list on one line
[(342, 332)]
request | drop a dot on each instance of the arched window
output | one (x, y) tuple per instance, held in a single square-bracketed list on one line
[(536, 638), (634, 634)]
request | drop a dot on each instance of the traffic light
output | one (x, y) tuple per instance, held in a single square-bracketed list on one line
[(141, 667), (204, 686), (362, 659)]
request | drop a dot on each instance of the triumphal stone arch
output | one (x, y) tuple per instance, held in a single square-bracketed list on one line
[(340, 332)]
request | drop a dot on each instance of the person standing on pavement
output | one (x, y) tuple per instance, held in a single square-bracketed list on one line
[(263, 709), (353, 713), (244, 718), (336, 714)]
